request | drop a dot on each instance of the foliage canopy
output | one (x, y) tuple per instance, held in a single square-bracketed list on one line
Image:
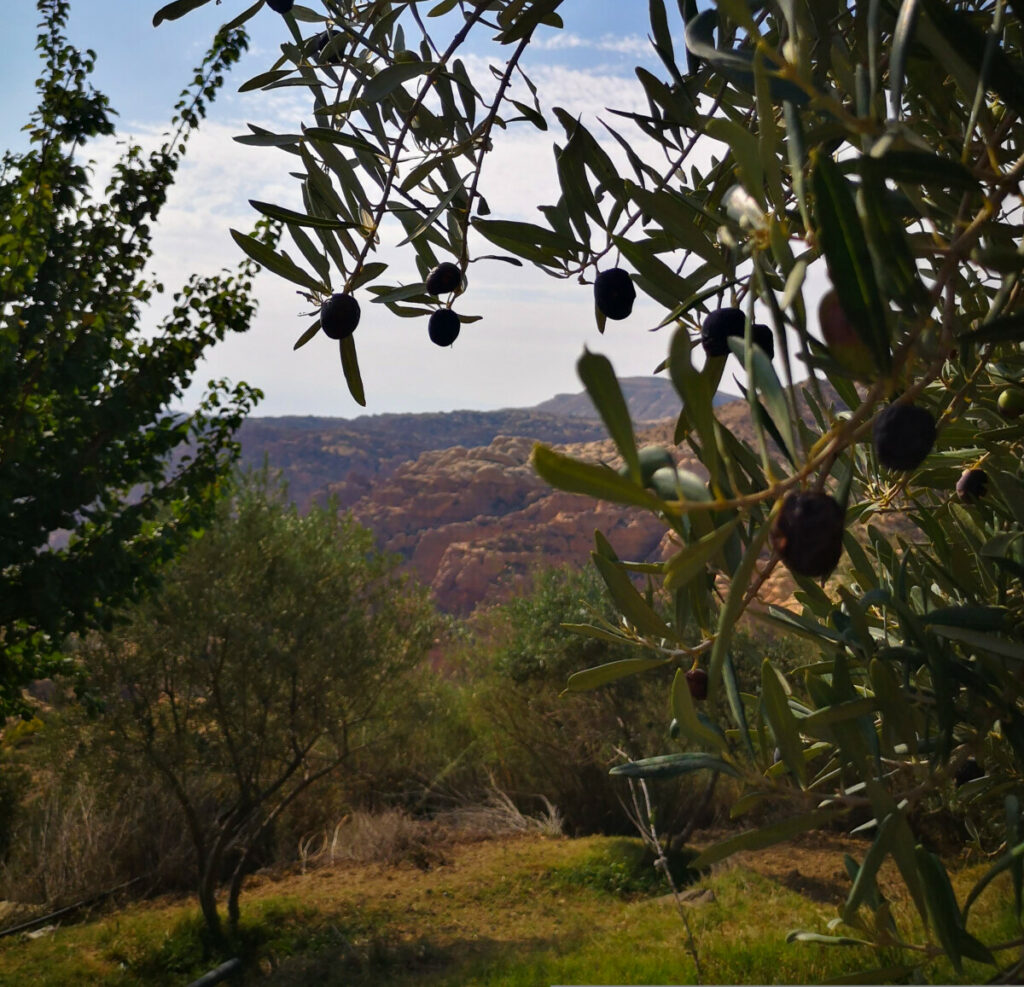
[(275, 649), (100, 480), (878, 146)]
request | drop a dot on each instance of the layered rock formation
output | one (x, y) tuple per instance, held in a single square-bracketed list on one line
[(474, 522), (456, 497)]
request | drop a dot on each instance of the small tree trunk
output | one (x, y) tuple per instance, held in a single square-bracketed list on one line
[(208, 902), (234, 892)]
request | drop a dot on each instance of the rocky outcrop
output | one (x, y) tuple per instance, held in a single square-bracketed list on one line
[(455, 495), (473, 523)]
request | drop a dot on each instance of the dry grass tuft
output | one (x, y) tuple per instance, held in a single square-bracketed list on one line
[(392, 836)]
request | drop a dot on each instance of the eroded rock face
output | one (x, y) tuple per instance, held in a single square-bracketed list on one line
[(473, 523), (457, 498)]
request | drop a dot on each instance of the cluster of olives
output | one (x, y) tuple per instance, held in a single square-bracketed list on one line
[(339, 315), (443, 325), (614, 295), (724, 323)]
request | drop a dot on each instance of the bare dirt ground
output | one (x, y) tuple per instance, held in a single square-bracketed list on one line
[(811, 865)]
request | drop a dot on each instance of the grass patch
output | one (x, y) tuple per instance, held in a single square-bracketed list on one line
[(624, 868), (525, 911)]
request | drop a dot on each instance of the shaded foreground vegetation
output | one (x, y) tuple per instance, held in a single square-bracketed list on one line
[(507, 911), (398, 867)]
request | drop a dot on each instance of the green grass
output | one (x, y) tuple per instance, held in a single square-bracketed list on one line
[(520, 912)]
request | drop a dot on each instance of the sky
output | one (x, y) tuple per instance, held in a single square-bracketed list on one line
[(533, 327)]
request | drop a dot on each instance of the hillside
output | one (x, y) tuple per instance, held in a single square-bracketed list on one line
[(351, 455), (455, 496)]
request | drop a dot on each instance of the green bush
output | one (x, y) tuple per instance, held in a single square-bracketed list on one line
[(625, 868)]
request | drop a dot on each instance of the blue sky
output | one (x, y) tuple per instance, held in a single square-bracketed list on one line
[(533, 328)]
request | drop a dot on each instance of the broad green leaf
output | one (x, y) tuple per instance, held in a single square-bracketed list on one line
[(441, 206), (259, 81), (730, 613), (895, 266), (532, 242), (921, 168), (824, 940), (852, 709), (906, 21), (846, 251), (319, 136), (903, 844), (368, 272), (297, 218), (1006, 329), (767, 384), (241, 18), (575, 476), (389, 79), (350, 367), (273, 261), (684, 711), (592, 678), (628, 599), (746, 152), (981, 641), (736, 66), (942, 906), (579, 197), (267, 139), (691, 559), (671, 765), (768, 135), (317, 260), (975, 618), (954, 38), (794, 284), (679, 219), (864, 886), (758, 839), (697, 395), (179, 8), (783, 723), (307, 335), (598, 377)]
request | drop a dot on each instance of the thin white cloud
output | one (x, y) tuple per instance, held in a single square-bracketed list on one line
[(633, 45), (533, 327)]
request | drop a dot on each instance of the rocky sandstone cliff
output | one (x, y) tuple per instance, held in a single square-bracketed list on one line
[(456, 497), (474, 522)]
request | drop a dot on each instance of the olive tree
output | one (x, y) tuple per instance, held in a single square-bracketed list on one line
[(273, 651), (101, 479), (874, 148)]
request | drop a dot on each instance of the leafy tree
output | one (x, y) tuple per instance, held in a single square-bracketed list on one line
[(100, 481), (540, 742), (274, 650), (874, 146)]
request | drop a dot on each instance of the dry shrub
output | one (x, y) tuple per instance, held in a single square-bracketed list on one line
[(77, 839), (389, 837), (393, 836), (498, 815)]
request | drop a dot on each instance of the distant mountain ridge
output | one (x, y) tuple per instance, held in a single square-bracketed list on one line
[(650, 399), (349, 455)]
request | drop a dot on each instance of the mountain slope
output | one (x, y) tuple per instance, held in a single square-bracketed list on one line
[(455, 496)]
